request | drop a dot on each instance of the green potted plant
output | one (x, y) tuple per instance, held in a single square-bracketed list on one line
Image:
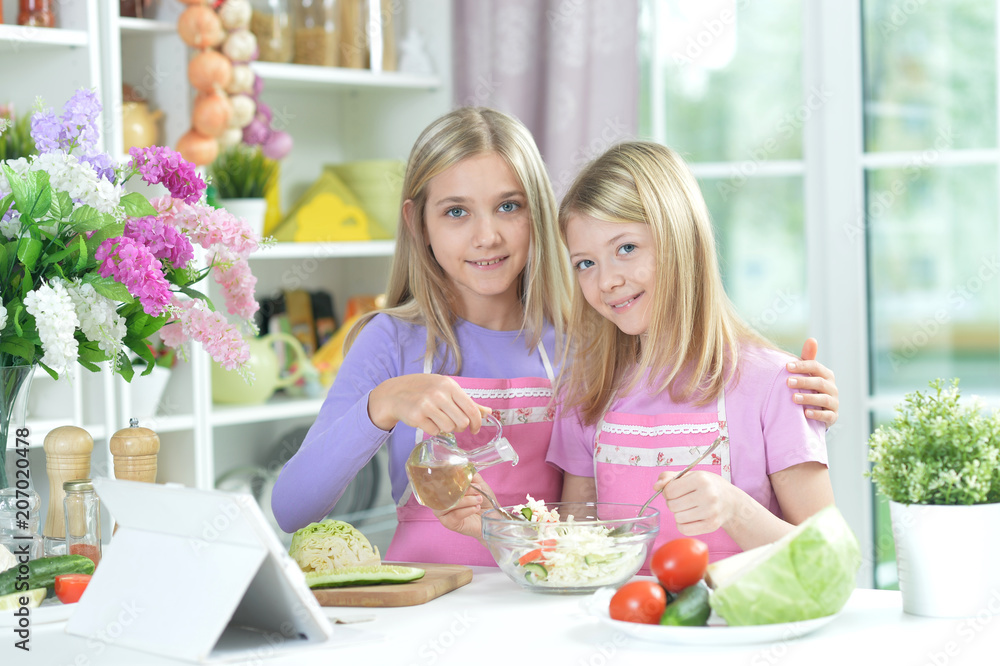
[(241, 176), (141, 397), (16, 141), (938, 463)]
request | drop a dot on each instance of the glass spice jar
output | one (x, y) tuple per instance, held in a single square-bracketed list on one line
[(316, 36), (83, 519), (271, 24), (37, 14)]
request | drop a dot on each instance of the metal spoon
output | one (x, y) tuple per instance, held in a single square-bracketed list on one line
[(714, 446), (502, 511)]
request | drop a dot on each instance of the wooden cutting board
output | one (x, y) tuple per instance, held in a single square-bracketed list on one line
[(439, 579)]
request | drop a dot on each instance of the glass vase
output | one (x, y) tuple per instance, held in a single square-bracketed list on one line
[(20, 505)]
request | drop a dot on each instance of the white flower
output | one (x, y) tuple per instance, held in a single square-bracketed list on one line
[(99, 320), (3, 315), (79, 181), (55, 317)]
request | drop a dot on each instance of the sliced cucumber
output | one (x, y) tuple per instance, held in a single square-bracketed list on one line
[(593, 558), (526, 512), (535, 572), (382, 574)]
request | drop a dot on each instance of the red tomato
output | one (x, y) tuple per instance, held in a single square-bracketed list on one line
[(69, 587), (639, 601), (680, 563)]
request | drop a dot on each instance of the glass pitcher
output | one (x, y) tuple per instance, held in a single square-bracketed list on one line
[(440, 472)]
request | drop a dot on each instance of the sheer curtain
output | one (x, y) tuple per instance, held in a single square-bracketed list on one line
[(568, 69)]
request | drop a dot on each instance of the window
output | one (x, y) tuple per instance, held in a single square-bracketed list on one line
[(848, 155)]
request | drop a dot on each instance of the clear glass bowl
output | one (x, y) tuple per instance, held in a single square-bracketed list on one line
[(594, 544)]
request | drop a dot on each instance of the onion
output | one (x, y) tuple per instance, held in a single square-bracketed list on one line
[(243, 78), (198, 148), (264, 113), (235, 14), (209, 70), (277, 146), (244, 109), (256, 133), (211, 114), (231, 137), (240, 46), (200, 27)]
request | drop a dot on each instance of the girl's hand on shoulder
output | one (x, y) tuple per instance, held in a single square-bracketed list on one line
[(823, 405), (701, 502), (433, 403), (465, 516)]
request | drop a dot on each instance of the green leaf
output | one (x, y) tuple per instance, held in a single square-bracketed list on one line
[(24, 190), (56, 257), (28, 251), (136, 205), (104, 233), (19, 347), (125, 367), (106, 286), (87, 218), (194, 293), (5, 204), (91, 352), (141, 349), (81, 244), (62, 206)]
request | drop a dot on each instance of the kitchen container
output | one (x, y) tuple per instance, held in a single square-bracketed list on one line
[(83, 519), (271, 24), (592, 544), (316, 36)]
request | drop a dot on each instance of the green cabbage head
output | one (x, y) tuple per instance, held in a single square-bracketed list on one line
[(332, 544), (808, 573)]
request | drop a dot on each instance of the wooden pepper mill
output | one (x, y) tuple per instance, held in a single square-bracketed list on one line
[(67, 457), (134, 450)]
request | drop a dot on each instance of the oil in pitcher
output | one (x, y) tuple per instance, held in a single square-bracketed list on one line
[(440, 472)]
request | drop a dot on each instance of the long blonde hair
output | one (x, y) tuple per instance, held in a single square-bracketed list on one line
[(418, 290), (694, 332)]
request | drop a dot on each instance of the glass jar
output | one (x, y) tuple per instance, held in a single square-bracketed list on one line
[(83, 519), (271, 24), (37, 13), (354, 33), (316, 36), (19, 521)]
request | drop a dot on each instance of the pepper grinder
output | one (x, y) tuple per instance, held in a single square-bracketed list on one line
[(134, 450), (67, 457)]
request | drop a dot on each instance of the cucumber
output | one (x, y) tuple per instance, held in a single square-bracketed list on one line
[(535, 572), (383, 574), (527, 513), (593, 558), (689, 609), (42, 572)]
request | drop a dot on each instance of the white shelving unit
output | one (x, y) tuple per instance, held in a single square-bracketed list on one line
[(333, 115)]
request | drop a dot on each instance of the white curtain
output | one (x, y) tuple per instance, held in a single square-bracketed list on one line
[(568, 69)]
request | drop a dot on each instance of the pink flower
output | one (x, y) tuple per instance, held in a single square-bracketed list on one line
[(219, 338), (237, 285), (159, 164), (133, 265), (163, 239)]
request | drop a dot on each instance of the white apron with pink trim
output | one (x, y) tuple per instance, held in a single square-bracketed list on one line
[(631, 450), (524, 406)]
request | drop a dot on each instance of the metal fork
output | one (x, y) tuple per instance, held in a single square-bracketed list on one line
[(502, 511), (714, 446)]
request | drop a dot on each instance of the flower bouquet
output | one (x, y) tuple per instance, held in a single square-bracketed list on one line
[(89, 271)]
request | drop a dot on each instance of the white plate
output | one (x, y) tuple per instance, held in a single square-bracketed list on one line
[(716, 633), (44, 614)]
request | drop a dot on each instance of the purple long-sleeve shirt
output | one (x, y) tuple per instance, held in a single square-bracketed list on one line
[(343, 438)]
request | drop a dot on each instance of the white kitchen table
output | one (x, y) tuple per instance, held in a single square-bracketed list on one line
[(492, 621)]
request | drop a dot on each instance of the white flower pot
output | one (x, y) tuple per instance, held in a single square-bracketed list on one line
[(141, 397), (254, 211), (948, 558)]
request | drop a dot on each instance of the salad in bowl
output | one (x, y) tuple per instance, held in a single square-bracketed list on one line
[(570, 547)]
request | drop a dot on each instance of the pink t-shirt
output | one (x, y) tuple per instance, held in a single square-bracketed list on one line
[(768, 432)]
